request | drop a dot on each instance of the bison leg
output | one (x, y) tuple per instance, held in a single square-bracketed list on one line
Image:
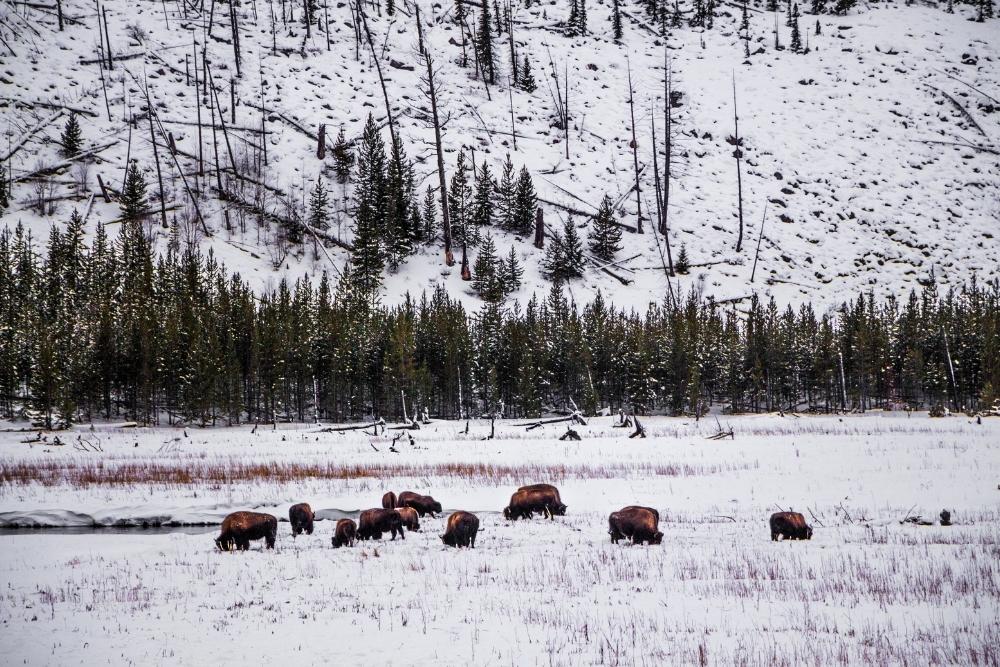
[(270, 541)]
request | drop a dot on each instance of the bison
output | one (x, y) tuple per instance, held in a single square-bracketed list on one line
[(790, 526), (527, 500), (389, 500), (345, 533), (374, 522), (240, 527), (423, 504), (408, 516), (461, 530), (301, 517), (641, 524)]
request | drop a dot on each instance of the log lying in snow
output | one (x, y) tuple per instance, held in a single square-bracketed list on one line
[(352, 427), (575, 417), (19, 144)]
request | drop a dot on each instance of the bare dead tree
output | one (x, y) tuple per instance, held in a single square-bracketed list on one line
[(431, 92), (156, 158), (236, 37), (107, 37), (668, 154), (420, 29), (753, 272), (736, 142), (635, 150), (378, 68)]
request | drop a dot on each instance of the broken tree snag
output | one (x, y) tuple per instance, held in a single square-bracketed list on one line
[(321, 142), (722, 435), (624, 421), (493, 428), (570, 434), (640, 430), (539, 229)]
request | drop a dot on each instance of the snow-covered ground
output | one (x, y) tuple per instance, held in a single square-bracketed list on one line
[(866, 588), (835, 140)]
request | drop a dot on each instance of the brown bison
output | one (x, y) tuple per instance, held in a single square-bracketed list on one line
[(389, 501), (423, 504), (240, 527), (408, 516), (374, 522), (791, 526), (641, 524), (345, 533), (461, 530), (301, 517), (527, 500)]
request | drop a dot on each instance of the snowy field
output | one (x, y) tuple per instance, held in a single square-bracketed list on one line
[(717, 591)]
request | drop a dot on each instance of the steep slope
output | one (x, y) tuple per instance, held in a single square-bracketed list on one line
[(839, 143)]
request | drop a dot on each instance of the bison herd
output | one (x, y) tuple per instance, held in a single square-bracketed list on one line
[(634, 522)]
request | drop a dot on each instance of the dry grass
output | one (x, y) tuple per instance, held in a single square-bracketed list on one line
[(231, 470)]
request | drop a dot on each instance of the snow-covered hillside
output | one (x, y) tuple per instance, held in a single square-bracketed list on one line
[(858, 148)]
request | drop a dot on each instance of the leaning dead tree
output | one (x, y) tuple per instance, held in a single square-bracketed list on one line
[(635, 151), (431, 93)]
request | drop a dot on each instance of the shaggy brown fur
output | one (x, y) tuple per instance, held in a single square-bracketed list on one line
[(345, 533), (389, 500), (239, 528), (374, 522), (527, 500), (423, 504), (408, 515), (301, 517), (641, 524), (791, 526), (461, 530)]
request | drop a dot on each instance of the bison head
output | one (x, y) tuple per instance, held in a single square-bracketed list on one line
[(559, 510), (657, 538), (449, 540), (224, 544), (436, 507), (809, 532), (506, 512)]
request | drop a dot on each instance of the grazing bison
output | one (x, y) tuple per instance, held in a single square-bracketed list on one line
[(240, 527), (301, 516), (374, 522), (527, 500), (461, 530), (389, 501), (423, 504), (408, 516), (641, 524), (345, 533), (791, 526)]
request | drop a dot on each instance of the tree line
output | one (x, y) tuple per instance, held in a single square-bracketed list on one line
[(115, 330)]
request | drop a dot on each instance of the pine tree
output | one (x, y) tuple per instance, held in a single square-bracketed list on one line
[(818, 7), (482, 205), (525, 203), (390, 7), (4, 188), (796, 35), (511, 273), (744, 18), (616, 21), (398, 237), (484, 44), (507, 191), (698, 14), (72, 138), (581, 17), (368, 256), (527, 82), (683, 264), (788, 14), (772, 5), (606, 235), (675, 15), (485, 279), (430, 214), (133, 200), (343, 158), (574, 15), (460, 203), (841, 7), (564, 256), (319, 206)]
